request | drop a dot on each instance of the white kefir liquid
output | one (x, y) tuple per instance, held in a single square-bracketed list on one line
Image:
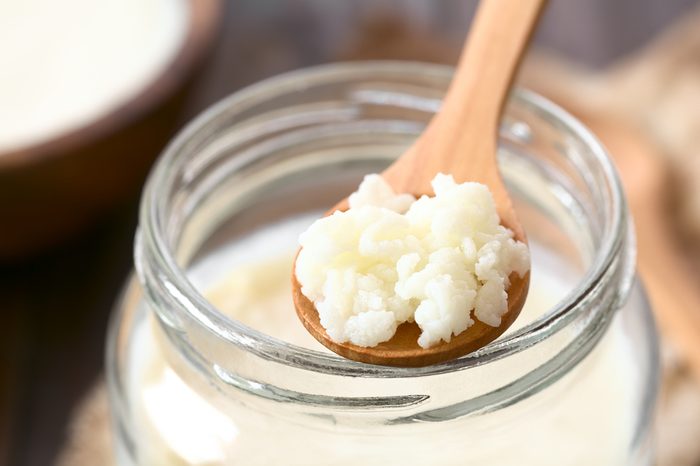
[(249, 281), (67, 63)]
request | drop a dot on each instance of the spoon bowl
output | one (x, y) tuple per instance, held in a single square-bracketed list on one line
[(403, 349), (461, 140)]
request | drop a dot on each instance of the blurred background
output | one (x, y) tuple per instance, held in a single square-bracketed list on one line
[(92, 90)]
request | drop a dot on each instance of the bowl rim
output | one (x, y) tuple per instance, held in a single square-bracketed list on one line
[(203, 21)]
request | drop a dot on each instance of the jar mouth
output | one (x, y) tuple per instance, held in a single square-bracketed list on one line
[(169, 281)]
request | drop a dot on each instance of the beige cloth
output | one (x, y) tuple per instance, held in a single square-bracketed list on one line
[(657, 90), (89, 434)]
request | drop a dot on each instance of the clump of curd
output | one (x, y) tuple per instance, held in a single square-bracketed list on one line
[(440, 261)]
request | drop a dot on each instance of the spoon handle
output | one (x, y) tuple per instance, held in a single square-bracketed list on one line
[(497, 40), (462, 138)]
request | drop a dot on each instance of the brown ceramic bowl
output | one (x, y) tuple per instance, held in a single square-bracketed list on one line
[(54, 189)]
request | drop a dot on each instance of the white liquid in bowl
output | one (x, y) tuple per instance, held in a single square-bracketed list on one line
[(65, 64)]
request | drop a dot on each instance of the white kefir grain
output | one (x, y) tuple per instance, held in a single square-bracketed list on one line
[(440, 261)]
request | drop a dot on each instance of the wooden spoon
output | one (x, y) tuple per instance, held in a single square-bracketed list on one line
[(460, 140)]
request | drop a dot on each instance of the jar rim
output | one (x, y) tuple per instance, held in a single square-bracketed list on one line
[(151, 238)]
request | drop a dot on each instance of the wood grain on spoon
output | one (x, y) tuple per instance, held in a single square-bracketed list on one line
[(461, 140)]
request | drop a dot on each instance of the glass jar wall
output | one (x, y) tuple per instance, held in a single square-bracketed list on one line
[(207, 363)]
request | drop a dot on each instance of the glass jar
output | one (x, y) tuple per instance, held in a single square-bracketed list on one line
[(572, 383)]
